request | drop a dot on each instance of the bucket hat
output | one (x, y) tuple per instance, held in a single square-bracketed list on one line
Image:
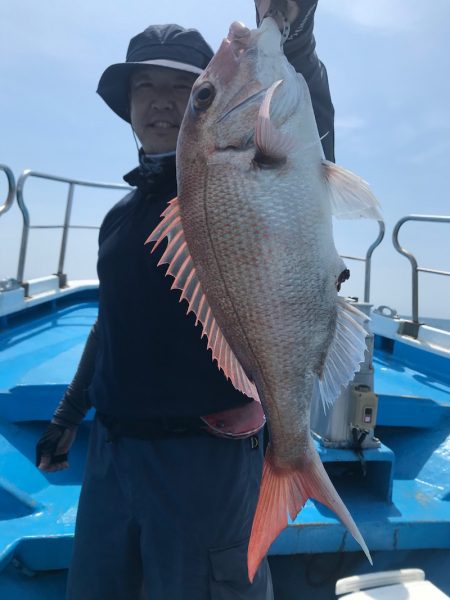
[(168, 46)]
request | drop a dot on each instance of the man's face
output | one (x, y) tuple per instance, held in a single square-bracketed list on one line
[(158, 99)]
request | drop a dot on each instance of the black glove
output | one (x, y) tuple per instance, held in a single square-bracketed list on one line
[(53, 447), (298, 13), (52, 450)]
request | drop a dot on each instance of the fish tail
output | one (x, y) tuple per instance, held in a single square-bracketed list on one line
[(285, 491)]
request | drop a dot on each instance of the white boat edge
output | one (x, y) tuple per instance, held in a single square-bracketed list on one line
[(44, 289)]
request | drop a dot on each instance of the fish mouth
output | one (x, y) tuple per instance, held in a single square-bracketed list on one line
[(238, 32), (239, 38)]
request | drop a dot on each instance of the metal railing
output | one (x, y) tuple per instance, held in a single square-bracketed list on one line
[(11, 190), (368, 259), (415, 267), (65, 226)]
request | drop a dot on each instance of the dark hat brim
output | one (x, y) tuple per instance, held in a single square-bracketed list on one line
[(114, 83)]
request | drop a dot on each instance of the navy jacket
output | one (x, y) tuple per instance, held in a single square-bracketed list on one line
[(151, 360)]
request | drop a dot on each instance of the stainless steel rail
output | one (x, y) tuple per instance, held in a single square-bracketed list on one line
[(65, 226), (368, 259), (11, 190), (415, 267)]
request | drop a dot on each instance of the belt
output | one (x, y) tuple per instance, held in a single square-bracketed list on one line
[(151, 428)]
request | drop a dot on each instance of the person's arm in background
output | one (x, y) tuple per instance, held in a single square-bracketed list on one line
[(56, 441), (299, 49)]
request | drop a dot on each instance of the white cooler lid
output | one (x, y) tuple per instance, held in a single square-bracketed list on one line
[(403, 584), (417, 590)]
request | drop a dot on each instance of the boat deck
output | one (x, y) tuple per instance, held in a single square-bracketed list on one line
[(401, 505)]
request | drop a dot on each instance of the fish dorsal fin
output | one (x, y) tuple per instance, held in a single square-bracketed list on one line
[(270, 142), (182, 268), (350, 195), (345, 353)]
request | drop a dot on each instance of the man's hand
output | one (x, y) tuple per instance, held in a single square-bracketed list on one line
[(289, 8), (53, 447)]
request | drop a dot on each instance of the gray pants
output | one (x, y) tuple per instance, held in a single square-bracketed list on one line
[(167, 519)]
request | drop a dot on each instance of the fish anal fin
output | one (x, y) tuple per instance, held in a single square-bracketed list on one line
[(285, 491), (350, 195), (181, 267), (345, 354)]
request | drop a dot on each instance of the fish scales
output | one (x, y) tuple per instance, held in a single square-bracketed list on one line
[(253, 228)]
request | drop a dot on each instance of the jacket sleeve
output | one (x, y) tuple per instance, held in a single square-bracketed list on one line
[(74, 405), (299, 49)]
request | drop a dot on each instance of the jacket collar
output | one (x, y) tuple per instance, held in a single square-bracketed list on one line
[(155, 174)]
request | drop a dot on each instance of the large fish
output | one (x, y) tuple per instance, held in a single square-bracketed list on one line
[(251, 247)]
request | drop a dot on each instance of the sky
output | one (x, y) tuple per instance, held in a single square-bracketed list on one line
[(387, 61)]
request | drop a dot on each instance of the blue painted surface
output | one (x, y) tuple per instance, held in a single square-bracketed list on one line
[(37, 525), (393, 378), (410, 397), (403, 355), (294, 577), (18, 583), (344, 467), (38, 357)]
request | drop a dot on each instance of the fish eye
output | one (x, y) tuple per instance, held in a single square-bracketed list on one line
[(204, 96)]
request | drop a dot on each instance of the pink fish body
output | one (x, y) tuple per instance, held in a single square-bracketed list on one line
[(251, 247)]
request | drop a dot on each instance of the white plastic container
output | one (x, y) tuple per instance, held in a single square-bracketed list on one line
[(404, 584)]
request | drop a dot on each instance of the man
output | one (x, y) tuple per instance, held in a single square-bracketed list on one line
[(166, 507)]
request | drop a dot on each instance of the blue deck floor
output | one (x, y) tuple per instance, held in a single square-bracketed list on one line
[(300, 577), (394, 379), (37, 360)]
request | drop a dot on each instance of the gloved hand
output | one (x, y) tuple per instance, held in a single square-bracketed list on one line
[(289, 8), (53, 447), (56, 441), (299, 14)]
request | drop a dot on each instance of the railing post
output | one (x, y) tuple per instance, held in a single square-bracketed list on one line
[(62, 254), (415, 294), (25, 228), (367, 260), (11, 189), (412, 327), (369, 253), (409, 328), (26, 218)]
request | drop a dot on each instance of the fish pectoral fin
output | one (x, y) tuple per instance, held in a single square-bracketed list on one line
[(350, 195), (285, 491), (344, 355), (272, 145), (182, 268)]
